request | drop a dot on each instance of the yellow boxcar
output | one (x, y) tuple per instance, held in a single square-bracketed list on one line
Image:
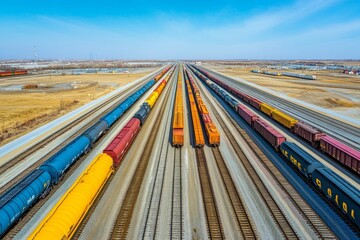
[(213, 134), (63, 220), (152, 99), (198, 132), (267, 109), (284, 119), (203, 109), (178, 119)]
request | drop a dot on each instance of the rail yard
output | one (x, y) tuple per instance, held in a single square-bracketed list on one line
[(185, 152)]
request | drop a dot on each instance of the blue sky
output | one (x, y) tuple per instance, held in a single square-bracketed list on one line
[(301, 29)]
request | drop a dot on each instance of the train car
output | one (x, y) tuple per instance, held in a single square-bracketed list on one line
[(342, 153), (94, 132), (65, 217), (199, 140), (152, 99), (232, 102), (20, 72), (160, 88), (143, 113), (62, 160), (339, 192), (178, 117), (255, 103), (120, 144), (267, 109), (300, 159), (247, 115), (308, 133), (246, 98), (18, 199), (115, 114), (284, 119), (237, 93), (270, 134), (6, 74), (212, 134)]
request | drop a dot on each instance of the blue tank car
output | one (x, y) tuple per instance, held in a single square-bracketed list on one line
[(96, 131), (302, 161), (337, 190), (143, 113), (16, 201), (115, 114), (63, 159)]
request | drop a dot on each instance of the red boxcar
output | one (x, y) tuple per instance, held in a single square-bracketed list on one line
[(339, 151), (270, 134), (247, 115), (4, 74), (20, 72), (119, 145), (307, 132), (255, 103), (246, 98), (237, 93)]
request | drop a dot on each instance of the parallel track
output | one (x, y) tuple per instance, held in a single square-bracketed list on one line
[(17, 228), (214, 224), (343, 131), (156, 198), (314, 221), (176, 203), (22, 157), (123, 220), (246, 226)]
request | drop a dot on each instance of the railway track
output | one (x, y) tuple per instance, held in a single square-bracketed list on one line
[(157, 189), (16, 228), (214, 225), (314, 221), (176, 229), (343, 131), (123, 219), (22, 157), (244, 222)]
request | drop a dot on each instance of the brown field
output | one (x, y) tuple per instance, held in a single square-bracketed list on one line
[(23, 111), (331, 90)]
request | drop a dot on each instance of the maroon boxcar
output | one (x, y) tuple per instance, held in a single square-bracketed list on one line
[(247, 115), (237, 93), (119, 145), (307, 132), (270, 134), (341, 152), (255, 103), (246, 98)]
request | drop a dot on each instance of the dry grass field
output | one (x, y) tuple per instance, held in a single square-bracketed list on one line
[(331, 90), (23, 111)]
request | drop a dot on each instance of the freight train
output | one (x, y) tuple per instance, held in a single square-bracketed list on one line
[(210, 129), (22, 196), (333, 187), (199, 140), (57, 224), (340, 152), (13, 73), (289, 74), (178, 119)]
